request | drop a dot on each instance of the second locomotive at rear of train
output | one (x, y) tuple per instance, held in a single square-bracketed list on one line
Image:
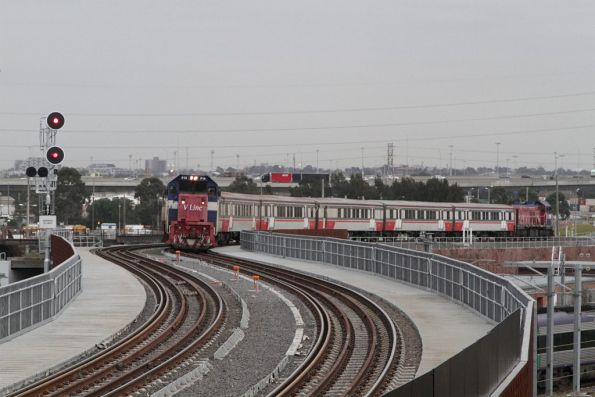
[(200, 217)]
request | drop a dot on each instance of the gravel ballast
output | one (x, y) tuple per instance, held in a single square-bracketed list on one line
[(252, 353)]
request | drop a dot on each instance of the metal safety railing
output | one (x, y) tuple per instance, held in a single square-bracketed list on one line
[(485, 293), (482, 242), (87, 240), (27, 303)]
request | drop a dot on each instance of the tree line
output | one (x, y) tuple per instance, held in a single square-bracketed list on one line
[(72, 196), (435, 190)]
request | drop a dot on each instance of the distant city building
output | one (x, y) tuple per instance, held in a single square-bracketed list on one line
[(7, 207), (155, 166), (102, 169), (20, 166)]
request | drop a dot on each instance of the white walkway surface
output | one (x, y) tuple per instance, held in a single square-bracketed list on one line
[(445, 327), (110, 299)]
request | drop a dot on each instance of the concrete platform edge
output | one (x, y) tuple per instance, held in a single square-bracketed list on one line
[(83, 355)]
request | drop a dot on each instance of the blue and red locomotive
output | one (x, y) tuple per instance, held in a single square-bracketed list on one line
[(192, 212)]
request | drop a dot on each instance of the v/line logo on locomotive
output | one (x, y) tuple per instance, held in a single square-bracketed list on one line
[(200, 216)]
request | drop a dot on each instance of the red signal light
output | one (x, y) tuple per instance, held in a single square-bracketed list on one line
[(55, 120), (55, 155)]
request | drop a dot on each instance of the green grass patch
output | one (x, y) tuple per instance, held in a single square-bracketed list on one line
[(585, 228)]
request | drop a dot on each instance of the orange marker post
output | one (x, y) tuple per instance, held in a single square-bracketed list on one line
[(178, 256), (255, 278), (236, 272)]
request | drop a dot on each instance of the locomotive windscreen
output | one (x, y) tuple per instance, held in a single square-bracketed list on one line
[(187, 186)]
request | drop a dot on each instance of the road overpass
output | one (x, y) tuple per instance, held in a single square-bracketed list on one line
[(115, 186)]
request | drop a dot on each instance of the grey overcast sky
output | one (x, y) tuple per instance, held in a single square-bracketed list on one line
[(268, 78)]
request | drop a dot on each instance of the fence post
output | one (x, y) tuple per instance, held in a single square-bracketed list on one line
[(429, 277)]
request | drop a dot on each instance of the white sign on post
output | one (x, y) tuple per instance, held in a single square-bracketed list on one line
[(47, 221)]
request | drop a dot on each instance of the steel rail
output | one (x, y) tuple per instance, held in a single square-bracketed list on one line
[(389, 359), (127, 343), (197, 343), (98, 371)]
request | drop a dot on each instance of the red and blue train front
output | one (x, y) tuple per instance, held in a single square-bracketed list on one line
[(191, 221)]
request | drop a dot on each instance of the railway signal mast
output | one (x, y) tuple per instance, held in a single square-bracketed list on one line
[(45, 171)]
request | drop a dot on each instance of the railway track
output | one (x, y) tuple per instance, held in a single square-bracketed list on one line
[(357, 349), (188, 313)]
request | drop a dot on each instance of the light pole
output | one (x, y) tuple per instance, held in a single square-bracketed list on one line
[(93, 207), (498, 159), (450, 163), (557, 192), (124, 214), (363, 172), (118, 227)]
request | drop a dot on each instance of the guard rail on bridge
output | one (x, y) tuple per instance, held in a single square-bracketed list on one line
[(502, 360), (31, 302), (421, 243)]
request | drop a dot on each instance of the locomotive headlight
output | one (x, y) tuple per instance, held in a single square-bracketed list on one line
[(183, 202)]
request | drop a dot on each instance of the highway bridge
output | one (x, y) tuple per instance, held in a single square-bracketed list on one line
[(543, 185)]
